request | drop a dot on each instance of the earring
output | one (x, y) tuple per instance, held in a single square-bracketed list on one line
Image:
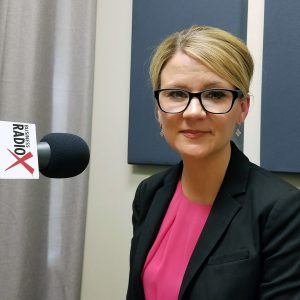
[(161, 133), (238, 132)]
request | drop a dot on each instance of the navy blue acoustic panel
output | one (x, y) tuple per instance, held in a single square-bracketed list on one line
[(152, 21), (280, 118)]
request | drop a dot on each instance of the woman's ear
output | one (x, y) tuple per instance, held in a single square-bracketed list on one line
[(244, 105)]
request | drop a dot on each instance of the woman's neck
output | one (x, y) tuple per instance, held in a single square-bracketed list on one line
[(201, 179)]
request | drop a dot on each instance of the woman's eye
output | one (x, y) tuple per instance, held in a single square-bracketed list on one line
[(215, 95), (177, 94)]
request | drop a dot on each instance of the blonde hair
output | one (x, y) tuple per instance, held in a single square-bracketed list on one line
[(219, 50)]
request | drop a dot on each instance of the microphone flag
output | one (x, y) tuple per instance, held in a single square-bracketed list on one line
[(18, 151)]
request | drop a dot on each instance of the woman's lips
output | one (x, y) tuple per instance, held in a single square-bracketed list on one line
[(193, 134)]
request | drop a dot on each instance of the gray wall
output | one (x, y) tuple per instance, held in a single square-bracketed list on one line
[(280, 131)]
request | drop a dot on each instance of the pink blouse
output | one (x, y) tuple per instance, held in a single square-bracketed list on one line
[(170, 253)]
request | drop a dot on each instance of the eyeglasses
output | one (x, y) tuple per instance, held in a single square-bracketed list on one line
[(215, 101)]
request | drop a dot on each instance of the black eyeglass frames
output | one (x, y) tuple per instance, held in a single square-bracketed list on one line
[(215, 101)]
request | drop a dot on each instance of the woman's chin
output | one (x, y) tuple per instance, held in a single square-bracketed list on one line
[(194, 152), (201, 151)]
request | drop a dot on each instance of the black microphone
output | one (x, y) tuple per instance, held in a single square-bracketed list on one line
[(62, 155)]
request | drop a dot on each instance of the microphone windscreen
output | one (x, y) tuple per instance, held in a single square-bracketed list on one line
[(69, 155)]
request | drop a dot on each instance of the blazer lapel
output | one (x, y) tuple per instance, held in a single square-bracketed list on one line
[(224, 209), (155, 216), (217, 222)]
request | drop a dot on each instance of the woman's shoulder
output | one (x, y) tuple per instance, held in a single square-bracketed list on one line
[(170, 175), (266, 192), (257, 180), (147, 189), (257, 187), (263, 179)]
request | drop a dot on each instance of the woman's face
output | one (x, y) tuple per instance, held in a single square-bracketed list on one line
[(195, 133)]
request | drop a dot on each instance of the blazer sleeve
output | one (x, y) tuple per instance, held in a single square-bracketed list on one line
[(136, 206), (136, 216), (281, 250)]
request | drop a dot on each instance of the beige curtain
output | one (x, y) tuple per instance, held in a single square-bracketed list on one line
[(46, 76)]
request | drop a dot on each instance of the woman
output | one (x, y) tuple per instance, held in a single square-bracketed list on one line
[(215, 226)]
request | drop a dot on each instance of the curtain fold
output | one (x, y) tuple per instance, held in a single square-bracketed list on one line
[(46, 78)]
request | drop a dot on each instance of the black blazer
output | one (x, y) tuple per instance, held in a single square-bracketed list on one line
[(249, 247)]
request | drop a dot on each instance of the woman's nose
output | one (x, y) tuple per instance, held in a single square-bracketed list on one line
[(195, 109)]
